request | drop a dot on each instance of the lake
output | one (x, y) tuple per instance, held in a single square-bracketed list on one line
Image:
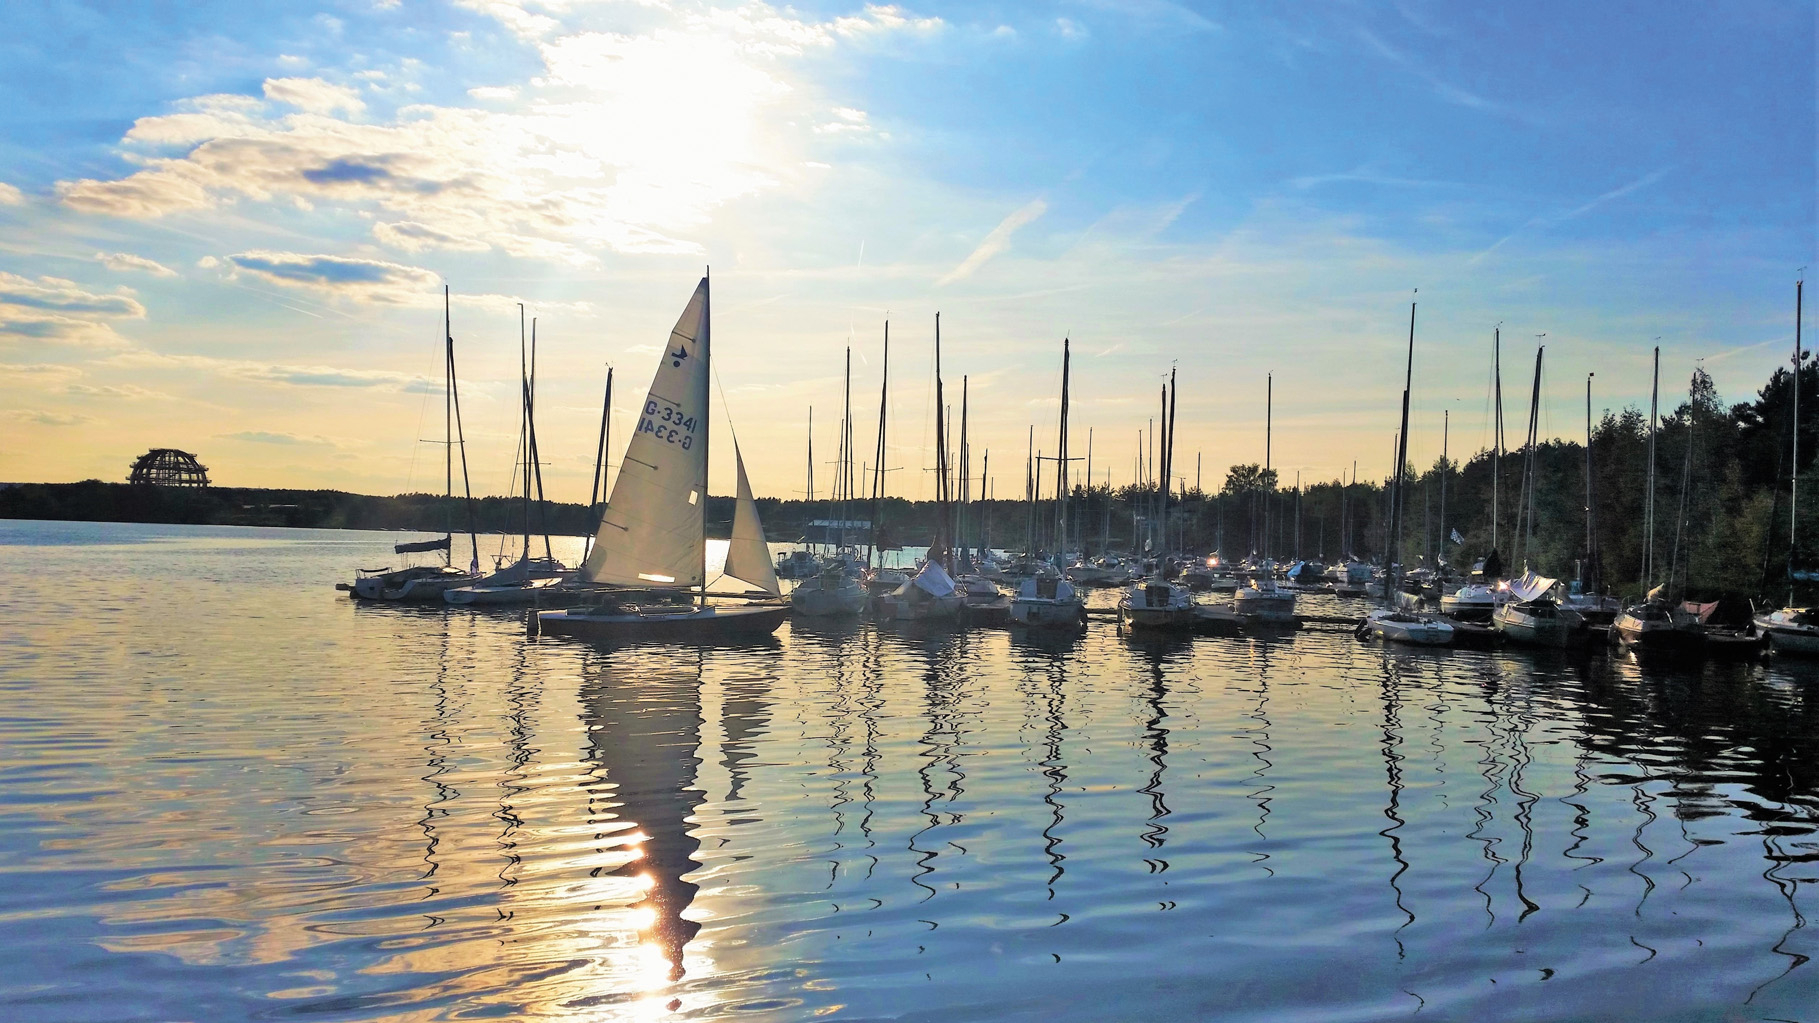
[(228, 792)]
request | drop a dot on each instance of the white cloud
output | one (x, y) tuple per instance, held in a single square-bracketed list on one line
[(267, 437), (362, 280), (494, 92), (997, 241), (588, 157), (10, 195), (41, 417), (313, 95), (276, 374), (846, 120), (51, 310), (125, 261), (120, 391)]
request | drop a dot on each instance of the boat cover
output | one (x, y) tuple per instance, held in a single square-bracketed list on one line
[(426, 545), (934, 580), (1531, 586)]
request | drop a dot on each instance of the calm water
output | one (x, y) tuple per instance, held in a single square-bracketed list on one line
[(226, 792)]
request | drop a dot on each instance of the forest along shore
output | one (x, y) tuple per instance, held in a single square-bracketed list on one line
[(1722, 477)]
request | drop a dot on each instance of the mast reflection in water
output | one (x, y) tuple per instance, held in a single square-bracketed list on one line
[(295, 806)]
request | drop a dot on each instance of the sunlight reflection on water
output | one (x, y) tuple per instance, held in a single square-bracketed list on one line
[(228, 792)]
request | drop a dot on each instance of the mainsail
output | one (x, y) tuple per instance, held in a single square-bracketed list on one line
[(747, 557), (654, 529)]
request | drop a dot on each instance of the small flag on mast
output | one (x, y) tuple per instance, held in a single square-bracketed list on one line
[(1457, 538)]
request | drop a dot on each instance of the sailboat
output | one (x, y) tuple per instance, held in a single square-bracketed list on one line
[(418, 583), (1476, 602), (832, 586), (1263, 599), (652, 541), (529, 580), (1390, 622), (1155, 602), (1793, 630), (1052, 601), (1534, 617), (931, 594)]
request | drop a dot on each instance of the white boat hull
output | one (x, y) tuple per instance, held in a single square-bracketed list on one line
[(425, 587), (819, 602), (1422, 633), (1048, 614), (1788, 639), (531, 591), (1270, 607)]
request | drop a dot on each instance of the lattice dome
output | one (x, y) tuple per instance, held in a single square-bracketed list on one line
[(168, 467)]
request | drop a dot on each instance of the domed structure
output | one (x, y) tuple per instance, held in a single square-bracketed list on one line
[(168, 467)]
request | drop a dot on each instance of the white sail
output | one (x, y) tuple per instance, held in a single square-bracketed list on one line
[(654, 531), (747, 557)]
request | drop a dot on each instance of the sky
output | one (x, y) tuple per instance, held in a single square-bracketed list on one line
[(226, 226)]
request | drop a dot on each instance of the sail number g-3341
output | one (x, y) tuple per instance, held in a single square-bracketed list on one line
[(667, 424)]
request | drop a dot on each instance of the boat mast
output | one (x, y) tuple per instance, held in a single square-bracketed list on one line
[(1061, 455), (1525, 502), (524, 435), (597, 494), (1029, 495), (1794, 473), (1648, 519), (941, 495), (454, 387), (1390, 585), (1269, 402), (707, 350), (1446, 469), (448, 436), (1591, 533), (966, 483), (1497, 428), (884, 393), (842, 491)]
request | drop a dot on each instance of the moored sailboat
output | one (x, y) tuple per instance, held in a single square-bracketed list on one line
[(428, 583), (653, 534)]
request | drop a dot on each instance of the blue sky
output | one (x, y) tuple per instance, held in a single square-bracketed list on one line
[(224, 226)]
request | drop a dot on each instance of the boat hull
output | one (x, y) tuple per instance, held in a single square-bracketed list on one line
[(824, 603), (424, 588), (1532, 631), (534, 591), (1277, 607), (712, 623), (1157, 617), (1048, 614), (1783, 639), (1423, 633)]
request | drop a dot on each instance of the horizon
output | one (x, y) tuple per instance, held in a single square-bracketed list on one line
[(228, 229)]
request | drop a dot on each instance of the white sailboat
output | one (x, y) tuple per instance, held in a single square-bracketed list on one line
[(428, 583), (529, 580), (653, 534), (1792, 630), (1263, 599), (1053, 602)]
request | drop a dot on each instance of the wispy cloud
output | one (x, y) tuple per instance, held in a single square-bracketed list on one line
[(1442, 88), (1547, 220), (363, 280), (55, 310), (42, 417), (1155, 12), (126, 261), (997, 241), (10, 195), (268, 437)]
